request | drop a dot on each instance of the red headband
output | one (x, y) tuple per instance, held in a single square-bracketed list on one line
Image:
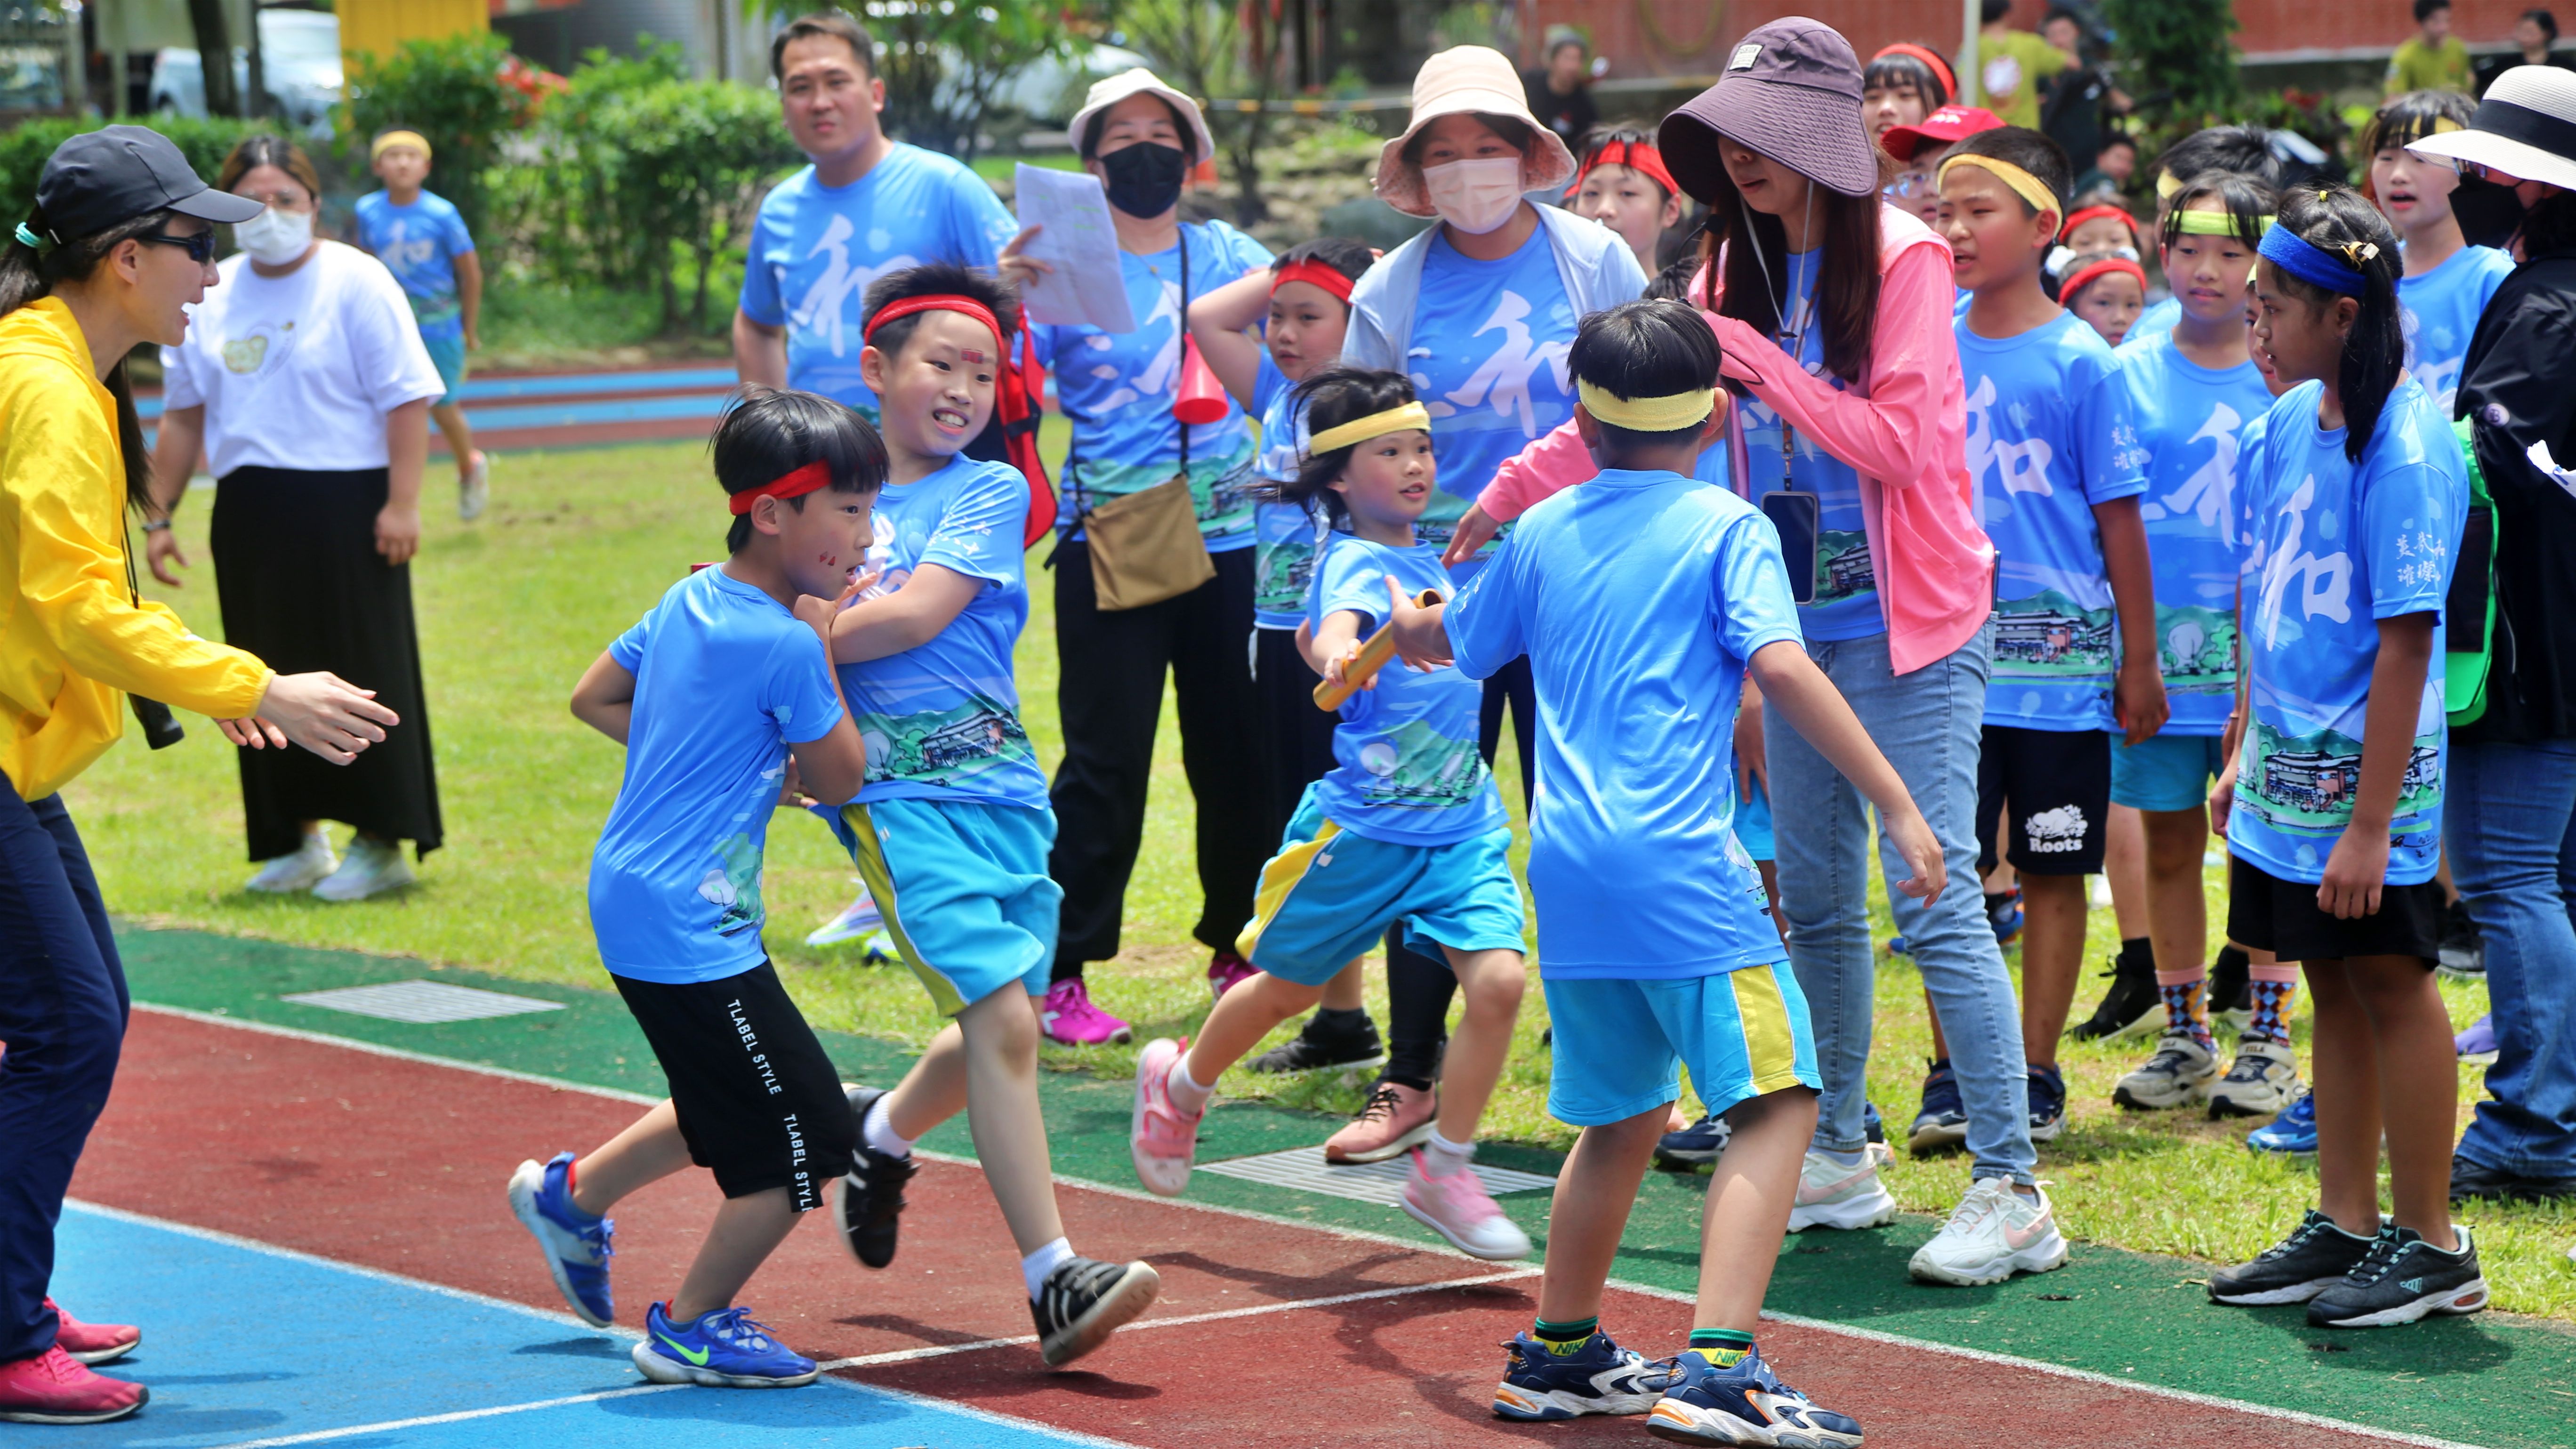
[(1940, 68), (2099, 213), (2092, 272), (1314, 274), (1637, 156), (913, 306), (813, 476)]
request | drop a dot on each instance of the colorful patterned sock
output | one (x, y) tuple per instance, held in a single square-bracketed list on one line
[(1564, 1338), (2186, 998), (2272, 988), (1722, 1347)]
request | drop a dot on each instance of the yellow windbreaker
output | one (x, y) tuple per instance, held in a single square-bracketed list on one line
[(71, 636)]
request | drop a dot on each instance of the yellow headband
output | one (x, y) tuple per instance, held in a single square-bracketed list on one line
[(391, 139), (2214, 223), (2167, 184), (1407, 418), (1646, 414), (2024, 185)]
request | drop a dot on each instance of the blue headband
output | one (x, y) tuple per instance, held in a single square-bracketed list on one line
[(2313, 264)]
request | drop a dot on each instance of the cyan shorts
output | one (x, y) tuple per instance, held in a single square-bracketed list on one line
[(1328, 895), (1621, 1045), (447, 354), (1753, 821), (964, 889), (2168, 772)]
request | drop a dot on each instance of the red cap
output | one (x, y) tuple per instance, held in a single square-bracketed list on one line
[(1943, 127)]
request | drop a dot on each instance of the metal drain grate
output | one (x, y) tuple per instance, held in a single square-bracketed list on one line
[(422, 1003), (1305, 1169)]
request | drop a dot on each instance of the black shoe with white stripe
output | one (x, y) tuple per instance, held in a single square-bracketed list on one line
[(2316, 1256), (1085, 1300), (2404, 1278), (871, 1201)]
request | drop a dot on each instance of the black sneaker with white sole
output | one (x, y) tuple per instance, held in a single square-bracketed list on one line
[(871, 1198), (1085, 1300), (1330, 1040), (2404, 1278), (2463, 951), (2315, 1257), (2131, 1006)]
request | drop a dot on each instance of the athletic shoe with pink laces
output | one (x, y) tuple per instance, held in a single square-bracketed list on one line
[(1225, 969), (93, 1343), (1070, 1018), (55, 1388), (1457, 1208), (1396, 1117), (1161, 1137)]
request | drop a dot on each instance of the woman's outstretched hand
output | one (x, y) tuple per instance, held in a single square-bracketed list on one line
[(1475, 529), (160, 550), (322, 712)]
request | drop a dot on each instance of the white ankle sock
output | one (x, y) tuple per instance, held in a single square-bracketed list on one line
[(878, 1129), (1036, 1266), (1444, 1158), (1187, 1093)]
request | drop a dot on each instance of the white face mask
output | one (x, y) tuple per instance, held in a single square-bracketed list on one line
[(275, 237), (1477, 195)]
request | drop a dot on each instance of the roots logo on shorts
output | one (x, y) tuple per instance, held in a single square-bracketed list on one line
[(2055, 832)]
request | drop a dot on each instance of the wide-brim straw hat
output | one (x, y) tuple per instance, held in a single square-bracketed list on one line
[(1110, 90), (2526, 128), (1791, 91), (1473, 80)]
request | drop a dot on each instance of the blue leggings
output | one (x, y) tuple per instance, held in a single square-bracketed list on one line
[(62, 1014)]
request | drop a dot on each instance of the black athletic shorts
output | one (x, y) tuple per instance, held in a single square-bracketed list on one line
[(2059, 786), (760, 1105), (2282, 917)]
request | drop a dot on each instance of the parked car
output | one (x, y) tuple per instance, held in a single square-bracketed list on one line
[(299, 56)]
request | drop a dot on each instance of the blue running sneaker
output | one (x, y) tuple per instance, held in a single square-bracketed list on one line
[(576, 1244), (1896, 946), (1943, 1119), (1599, 1377), (1746, 1404), (1700, 1142), (726, 1349), (2293, 1133), (1871, 1124), (2003, 912), (2047, 1104)]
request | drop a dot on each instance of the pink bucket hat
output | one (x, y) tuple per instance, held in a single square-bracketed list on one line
[(1475, 80)]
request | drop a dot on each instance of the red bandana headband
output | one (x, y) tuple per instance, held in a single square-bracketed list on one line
[(1637, 156), (2092, 272), (914, 306), (1314, 274), (810, 478), (2099, 213)]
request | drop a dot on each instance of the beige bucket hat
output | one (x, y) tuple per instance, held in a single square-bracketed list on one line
[(1475, 79), (1110, 90)]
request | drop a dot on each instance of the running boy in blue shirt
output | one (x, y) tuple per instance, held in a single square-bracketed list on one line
[(713, 693), (1641, 599), (421, 238), (2056, 464), (951, 829)]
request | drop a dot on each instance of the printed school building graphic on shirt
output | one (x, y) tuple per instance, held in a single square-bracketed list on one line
[(945, 748), (732, 884)]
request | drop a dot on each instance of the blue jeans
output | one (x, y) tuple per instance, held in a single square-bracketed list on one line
[(62, 1014), (2510, 823), (1927, 724)]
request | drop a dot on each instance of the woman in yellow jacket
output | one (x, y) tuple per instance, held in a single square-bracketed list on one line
[(120, 243)]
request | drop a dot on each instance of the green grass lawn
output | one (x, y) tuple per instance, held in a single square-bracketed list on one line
[(577, 545)]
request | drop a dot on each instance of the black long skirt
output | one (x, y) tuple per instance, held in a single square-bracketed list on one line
[(303, 587)]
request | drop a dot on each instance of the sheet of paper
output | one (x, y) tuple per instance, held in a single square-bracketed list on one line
[(1081, 243)]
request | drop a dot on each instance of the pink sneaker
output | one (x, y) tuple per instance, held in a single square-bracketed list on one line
[(1070, 1018), (1161, 1137), (1396, 1117), (1225, 969), (1457, 1208), (55, 1388), (93, 1343)]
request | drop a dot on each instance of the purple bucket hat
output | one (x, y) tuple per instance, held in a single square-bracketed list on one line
[(1791, 91)]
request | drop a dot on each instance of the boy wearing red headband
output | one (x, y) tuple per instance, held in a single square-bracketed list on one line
[(713, 693), (952, 827)]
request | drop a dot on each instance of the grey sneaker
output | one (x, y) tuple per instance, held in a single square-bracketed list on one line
[(371, 868), (299, 871), (2179, 1074), (2263, 1083)]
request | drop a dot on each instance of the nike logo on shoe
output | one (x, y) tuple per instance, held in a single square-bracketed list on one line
[(2020, 1238), (1835, 1189), (697, 1357)]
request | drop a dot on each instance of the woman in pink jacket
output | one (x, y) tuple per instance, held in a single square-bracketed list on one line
[(1834, 313)]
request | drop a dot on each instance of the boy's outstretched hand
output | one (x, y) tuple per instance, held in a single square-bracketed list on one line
[(1421, 635)]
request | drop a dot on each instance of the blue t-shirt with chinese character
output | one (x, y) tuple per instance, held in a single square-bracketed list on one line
[(941, 720), (1845, 605), (2049, 439), (419, 244), (2188, 419), (2343, 547), (1118, 387), (725, 679), (1487, 357), (1405, 765), (2440, 313), (816, 249), (1639, 598), (1285, 536)]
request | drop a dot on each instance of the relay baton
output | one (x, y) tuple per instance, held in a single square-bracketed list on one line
[(1373, 656)]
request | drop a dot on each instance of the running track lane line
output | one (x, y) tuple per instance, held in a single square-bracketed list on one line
[(2060, 1371)]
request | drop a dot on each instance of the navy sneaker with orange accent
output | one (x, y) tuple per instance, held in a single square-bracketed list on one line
[(1744, 1403), (1597, 1377)]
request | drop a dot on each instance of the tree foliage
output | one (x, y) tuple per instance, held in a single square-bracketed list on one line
[(2179, 60), (466, 93), (24, 147), (1216, 53)]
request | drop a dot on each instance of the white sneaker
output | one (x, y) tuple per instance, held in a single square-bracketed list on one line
[(474, 490), (2263, 1083), (2179, 1074), (1835, 1194), (857, 921), (287, 874), (372, 868), (1992, 1234)]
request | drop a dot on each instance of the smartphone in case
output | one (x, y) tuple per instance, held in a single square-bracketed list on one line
[(1795, 516)]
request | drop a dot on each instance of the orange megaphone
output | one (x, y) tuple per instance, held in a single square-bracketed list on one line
[(1202, 398)]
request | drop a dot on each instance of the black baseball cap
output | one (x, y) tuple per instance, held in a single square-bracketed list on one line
[(116, 173)]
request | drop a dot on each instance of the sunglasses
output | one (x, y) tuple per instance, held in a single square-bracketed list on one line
[(199, 247)]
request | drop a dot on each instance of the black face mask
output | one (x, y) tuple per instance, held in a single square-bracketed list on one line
[(2489, 214), (1145, 179)]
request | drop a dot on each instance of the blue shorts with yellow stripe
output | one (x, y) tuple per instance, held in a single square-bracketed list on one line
[(1328, 895), (1621, 1043), (964, 889)]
